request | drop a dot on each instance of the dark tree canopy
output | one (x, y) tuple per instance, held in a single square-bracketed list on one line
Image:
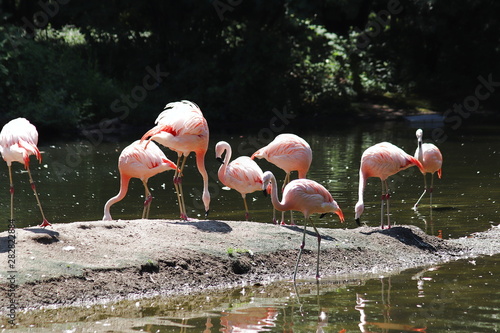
[(70, 63)]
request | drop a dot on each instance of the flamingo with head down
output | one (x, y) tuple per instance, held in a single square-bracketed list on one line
[(381, 160), (139, 161)]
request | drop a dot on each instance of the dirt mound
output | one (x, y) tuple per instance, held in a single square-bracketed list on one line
[(85, 263)]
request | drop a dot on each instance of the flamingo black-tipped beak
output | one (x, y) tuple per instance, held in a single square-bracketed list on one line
[(206, 213), (264, 192), (220, 160), (358, 222)]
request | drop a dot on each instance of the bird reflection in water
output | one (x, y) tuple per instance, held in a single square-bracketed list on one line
[(386, 325), (254, 319)]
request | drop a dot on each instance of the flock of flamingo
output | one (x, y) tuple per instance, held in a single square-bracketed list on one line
[(182, 128)]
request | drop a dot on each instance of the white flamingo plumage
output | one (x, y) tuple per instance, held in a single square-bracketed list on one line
[(288, 152), (18, 141), (308, 197), (381, 160), (182, 128), (432, 160), (138, 161), (241, 174)]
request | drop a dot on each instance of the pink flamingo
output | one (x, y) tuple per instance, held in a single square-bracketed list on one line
[(242, 174), (432, 160), (382, 160), (138, 161), (182, 128), (18, 141), (288, 152), (308, 197)]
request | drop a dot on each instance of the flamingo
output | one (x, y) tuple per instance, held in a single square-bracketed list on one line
[(308, 197), (242, 174), (18, 141), (288, 152), (138, 161), (432, 160), (382, 160), (182, 128)]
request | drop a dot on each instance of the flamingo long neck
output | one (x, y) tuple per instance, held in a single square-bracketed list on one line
[(420, 154), (124, 181), (200, 163), (274, 196), (227, 158)]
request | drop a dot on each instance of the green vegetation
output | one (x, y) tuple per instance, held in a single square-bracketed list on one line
[(66, 64), (231, 252)]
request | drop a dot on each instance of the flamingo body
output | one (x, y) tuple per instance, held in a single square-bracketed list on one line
[(242, 174), (18, 141), (429, 155), (382, 160), (288, 152), (182, 128), (306, 196), (432, 160), (138, 161)]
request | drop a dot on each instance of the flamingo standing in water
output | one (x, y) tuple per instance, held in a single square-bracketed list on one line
[(432, 160), (182, 128), (242, 174), (18, 141), (139, 161), (382, 160), (308, 197), (288, 152)]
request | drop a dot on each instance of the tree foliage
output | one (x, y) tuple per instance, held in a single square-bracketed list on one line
[(64, 64)]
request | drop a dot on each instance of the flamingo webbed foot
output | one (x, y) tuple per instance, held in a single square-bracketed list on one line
[(44, 224)]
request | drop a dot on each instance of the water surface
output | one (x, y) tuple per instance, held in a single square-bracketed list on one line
[(77, 178)]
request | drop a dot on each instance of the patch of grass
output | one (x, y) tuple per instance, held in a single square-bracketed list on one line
[(231, 252)]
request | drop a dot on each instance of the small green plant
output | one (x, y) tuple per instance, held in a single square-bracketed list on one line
[(231, 252)]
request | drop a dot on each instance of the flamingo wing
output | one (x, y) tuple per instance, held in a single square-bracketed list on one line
[(385, 159), (307, 195), (244, 175)]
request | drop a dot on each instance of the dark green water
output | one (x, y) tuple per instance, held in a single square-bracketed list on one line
[(76, 179)]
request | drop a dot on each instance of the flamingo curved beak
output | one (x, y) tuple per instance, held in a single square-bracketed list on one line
[(341, 215)]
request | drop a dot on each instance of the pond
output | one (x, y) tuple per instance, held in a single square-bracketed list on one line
[(77, 178), (430, 299)]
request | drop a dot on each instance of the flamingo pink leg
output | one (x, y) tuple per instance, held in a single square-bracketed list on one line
[(45, 223)]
